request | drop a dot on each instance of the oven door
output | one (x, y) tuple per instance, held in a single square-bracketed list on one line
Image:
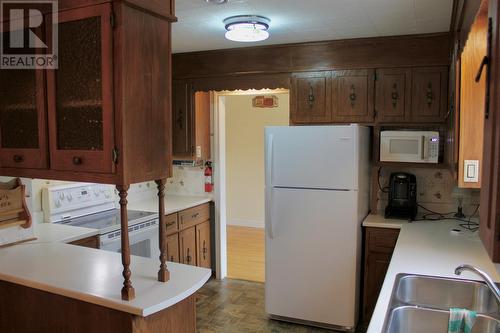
[(143, 242)]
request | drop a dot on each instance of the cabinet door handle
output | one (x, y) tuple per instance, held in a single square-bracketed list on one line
[(394, 95), (195, 215), (179, 119), (188, 257), (18, 158), (429, 95), (352, 95), (170, 224), (77, 160), (310, 97), (486, 62), (204, 251)]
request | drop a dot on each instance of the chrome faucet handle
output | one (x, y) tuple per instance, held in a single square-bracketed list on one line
[(487, 279)]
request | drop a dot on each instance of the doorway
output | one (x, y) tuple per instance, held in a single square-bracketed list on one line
[(239, 138)]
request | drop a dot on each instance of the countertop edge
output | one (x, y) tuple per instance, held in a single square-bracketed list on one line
[(162, 306)]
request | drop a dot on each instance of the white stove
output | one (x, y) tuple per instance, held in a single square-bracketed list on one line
[(94, 206)]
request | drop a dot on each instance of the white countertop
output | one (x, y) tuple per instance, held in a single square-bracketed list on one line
[(53, 232), (428, 248), (173, 203), (95, 276)]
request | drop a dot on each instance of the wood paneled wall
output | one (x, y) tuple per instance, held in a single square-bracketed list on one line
[(397, 51)]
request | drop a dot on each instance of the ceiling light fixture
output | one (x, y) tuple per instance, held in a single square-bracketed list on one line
[(217, 2), (247, 28)]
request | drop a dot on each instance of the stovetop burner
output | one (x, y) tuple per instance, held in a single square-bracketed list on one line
[(109, 220)]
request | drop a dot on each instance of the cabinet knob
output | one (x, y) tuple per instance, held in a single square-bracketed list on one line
[(18, 158), (77, 160)]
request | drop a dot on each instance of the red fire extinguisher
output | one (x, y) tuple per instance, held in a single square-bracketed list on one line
[(209, 186)]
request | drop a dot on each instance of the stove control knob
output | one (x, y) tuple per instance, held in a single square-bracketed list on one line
[(69, 197), (57, 203), (96, 192), (61, 195), (107, 194)]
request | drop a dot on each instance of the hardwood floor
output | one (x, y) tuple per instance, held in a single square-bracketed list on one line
[(246, 253)]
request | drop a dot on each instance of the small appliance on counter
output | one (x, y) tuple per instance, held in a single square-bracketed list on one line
[(402, 196)]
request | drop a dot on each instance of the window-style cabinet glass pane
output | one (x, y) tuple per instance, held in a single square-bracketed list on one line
[(79, 110), (18, 109)]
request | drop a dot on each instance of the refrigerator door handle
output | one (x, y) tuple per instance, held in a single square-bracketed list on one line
[(269, 221), (269, 171)]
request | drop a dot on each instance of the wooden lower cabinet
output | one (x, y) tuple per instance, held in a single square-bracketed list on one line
[(20, 312), (187, 246), (92, 242), (189, 236), (173, 248), (379, 246), (203, 245)]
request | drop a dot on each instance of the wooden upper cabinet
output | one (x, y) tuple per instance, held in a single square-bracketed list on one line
[(393, 94), (191, 122), (352, 96), (108, 103), (23, 142), (311, 98), (80, 101), (429, 94), (182, 119)]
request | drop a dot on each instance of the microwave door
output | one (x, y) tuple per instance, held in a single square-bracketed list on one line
[(402, 149)]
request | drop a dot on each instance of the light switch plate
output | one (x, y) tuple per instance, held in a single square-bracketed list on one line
[(471, 171), (198, 151)]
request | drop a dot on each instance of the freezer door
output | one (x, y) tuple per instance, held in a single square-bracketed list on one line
[(312, 157), (312, 255)]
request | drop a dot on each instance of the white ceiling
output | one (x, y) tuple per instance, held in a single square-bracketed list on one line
[(200, 24)]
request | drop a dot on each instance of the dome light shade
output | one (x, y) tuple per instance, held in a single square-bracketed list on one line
[(247, 28)]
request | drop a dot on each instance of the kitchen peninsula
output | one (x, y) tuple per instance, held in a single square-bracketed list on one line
[(58, 287)]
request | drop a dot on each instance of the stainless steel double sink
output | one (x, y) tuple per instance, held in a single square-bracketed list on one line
[(420, 304)]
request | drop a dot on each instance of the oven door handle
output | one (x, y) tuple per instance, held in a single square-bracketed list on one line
[(135, 235)]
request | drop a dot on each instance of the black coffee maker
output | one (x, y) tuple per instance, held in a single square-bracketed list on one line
[(402, 196)]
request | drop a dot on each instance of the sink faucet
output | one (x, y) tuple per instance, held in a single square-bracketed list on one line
[(489, 282)]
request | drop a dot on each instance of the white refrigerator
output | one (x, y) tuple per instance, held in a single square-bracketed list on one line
[(317, 194)]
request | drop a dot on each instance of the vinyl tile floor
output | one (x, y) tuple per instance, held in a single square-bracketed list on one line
[(236, 306)]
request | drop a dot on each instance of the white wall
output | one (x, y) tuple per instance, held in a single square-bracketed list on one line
[(245, 156)]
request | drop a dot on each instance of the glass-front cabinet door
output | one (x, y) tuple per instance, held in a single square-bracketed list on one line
[(22, 118), (80, 100)]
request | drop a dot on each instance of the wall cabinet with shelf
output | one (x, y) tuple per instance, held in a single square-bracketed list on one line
[(416, 95), (23, 115), (191, 122), (311, 98), (352, 96), (108, 116)]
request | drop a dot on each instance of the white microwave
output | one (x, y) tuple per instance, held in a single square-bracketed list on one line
[(409, 146)]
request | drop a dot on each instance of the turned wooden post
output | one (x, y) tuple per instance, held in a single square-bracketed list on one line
[(163, 273), (128, 292)]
